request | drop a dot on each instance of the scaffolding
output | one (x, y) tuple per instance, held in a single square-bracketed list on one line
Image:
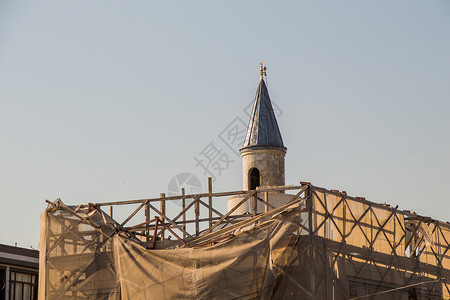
[(321, 244)]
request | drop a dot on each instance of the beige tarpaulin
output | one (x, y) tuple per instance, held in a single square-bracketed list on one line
[(244, 267)]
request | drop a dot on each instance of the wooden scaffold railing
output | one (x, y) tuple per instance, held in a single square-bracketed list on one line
[(150, 230)]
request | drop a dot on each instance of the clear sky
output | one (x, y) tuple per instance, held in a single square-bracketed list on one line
[(109, 100)]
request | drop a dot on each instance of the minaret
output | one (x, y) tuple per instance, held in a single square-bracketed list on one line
[(263, 150)]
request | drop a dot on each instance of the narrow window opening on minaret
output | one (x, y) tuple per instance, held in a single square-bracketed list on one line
[(253, 178)]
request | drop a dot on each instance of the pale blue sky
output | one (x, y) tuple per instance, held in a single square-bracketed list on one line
[(108, 100)]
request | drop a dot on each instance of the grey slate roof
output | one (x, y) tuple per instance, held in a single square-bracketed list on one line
[(262, 130)]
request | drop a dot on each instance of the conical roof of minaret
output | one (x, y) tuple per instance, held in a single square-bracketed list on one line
[(262, 130)]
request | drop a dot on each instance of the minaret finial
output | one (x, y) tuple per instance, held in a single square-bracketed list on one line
[(262, 70)]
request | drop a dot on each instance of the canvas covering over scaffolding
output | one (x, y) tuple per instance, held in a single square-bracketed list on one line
[(322, 244)]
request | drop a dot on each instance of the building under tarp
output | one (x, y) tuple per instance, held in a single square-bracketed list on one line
[(321, 244)]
